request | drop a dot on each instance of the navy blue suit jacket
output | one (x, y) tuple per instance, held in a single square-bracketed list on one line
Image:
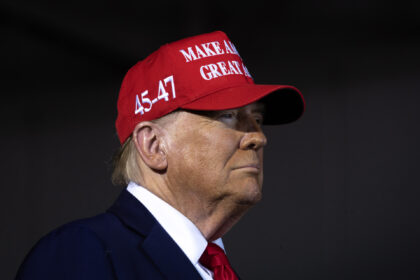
[(124, 243)]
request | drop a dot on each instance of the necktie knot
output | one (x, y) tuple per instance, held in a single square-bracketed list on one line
[(214, 258)]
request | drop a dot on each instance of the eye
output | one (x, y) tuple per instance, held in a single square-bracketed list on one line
[(227, 115), (229, 118), (258, 119)]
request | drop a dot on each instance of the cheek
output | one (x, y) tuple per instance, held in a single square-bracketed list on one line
[(205, 155), (212, 152)]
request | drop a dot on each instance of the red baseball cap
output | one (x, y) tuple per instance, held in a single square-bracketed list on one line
[(203, 72)]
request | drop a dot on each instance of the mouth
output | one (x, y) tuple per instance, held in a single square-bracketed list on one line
[(249, 167)]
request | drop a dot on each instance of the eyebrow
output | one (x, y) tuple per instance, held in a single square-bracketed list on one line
[(259, 107)]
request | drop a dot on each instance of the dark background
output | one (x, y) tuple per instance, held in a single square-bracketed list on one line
[(341, 185)]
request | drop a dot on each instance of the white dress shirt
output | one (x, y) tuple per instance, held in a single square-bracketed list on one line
[(185, 234)]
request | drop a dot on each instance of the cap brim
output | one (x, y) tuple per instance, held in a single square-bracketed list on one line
[(283, 104)]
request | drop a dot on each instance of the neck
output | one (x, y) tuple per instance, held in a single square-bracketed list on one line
[(212, 218), (220, 221)]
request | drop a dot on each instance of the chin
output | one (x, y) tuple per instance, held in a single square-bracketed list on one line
[(250, 195)]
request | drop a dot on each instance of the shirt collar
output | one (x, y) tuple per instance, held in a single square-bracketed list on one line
[(185, 234)]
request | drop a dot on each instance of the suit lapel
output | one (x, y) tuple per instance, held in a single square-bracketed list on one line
[(132, 213), (157, 244), (172, 261)]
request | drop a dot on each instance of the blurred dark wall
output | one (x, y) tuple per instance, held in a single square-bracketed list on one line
[(341, 184)]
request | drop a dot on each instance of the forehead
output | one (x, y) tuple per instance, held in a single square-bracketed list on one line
[(255, 107)]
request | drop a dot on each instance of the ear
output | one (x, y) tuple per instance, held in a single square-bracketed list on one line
[(148, 138)]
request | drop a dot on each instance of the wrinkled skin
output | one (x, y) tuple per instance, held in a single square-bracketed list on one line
[(215, 162), (207, 165)]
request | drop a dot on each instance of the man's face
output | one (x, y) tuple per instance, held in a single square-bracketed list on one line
[(217, 155)]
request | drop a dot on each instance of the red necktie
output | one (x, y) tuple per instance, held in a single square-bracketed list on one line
[(214, 258)]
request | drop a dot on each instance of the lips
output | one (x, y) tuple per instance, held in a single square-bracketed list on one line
[(254, 166)]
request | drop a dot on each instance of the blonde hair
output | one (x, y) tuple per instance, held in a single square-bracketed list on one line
[(125, 164)]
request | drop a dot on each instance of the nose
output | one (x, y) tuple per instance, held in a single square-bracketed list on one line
[(253, 137), (253, 140)]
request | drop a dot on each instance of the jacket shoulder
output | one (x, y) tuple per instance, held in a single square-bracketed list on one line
[(73, 251)]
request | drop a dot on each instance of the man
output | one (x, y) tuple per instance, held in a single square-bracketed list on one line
[(189, 121)]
